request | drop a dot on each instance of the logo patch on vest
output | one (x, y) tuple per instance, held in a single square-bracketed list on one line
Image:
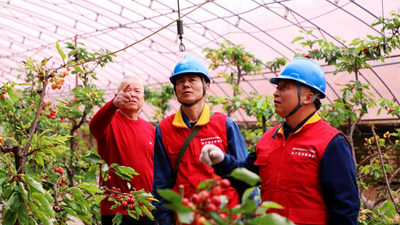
[(302, 152), (210, 140)]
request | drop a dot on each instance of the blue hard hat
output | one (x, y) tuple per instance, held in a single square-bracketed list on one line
[(304, 71), (189, 65)]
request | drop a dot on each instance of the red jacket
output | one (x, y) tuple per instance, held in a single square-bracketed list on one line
[(191, 171), (290, 170)]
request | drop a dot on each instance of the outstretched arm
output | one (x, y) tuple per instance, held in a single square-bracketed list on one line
[(101, 120)]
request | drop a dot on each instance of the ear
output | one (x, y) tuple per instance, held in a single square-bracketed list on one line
[(308, 96), (207, 87)]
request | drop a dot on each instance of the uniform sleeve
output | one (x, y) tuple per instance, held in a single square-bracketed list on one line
[(236, 156), (230, 163), (236, 144), (101, 120), (339, 182), (162, 175)]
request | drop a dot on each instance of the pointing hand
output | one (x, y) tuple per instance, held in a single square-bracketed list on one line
[(211, 154)]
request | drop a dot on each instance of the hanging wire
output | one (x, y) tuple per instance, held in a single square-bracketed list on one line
[(179, 23)]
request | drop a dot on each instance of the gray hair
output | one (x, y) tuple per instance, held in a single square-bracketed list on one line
[(128, 78)]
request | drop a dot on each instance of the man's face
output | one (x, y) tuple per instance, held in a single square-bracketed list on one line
[(137, 95), (286, 97), (189, 88)]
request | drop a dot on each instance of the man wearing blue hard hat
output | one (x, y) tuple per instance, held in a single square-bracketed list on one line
[(180, 138), (304, 164)]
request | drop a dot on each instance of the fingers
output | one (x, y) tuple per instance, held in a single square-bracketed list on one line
[(126, 88), (205, 156), (123, 97), (211, 154)]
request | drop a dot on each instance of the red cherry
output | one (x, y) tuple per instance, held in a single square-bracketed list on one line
[(132, 207), (60, 171), (56, 170), (109, 178), (216, 191), (225, 183), (365, 139), (307, 56), (185, 201), (48, 116), (131, 200), (124, 203), (196, 199), (204, 195), (390, 110), (199, 220), (53, 117), (216, 200), (211, 207), (63, 181), (62, 184), (31, 101), (53, 111)]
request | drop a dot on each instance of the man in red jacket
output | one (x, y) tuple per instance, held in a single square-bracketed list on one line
[(304, 164), (127, 140)]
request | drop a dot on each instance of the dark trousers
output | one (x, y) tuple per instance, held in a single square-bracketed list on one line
[(127, 220)]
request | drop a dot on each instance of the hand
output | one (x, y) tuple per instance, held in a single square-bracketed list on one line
[(123, 97), (211, 154)]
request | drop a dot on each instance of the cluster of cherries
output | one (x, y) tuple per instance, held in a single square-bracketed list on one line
[(128, 201), (57, 79), (60, 171), (3, 94), (52, 114), (207, 200)]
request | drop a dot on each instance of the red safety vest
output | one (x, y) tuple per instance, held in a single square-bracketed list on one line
[(191, 171), (290, 170)]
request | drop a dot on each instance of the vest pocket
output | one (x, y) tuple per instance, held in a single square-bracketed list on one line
[(315, 216), (262, 159)]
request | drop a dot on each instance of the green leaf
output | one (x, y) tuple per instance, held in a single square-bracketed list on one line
[(270, 205), (39, 159), (9, 218), (247, 194), (91, 173), (22, 191), (12, 95), (117, 219), (22, 215), (124, 172), (60, 51), (170, 195), (248, 207), (296, 39), (14, 202), (73, 52), (35, 185), (49, 197), (45, 205), (93, 158), (246, 175), (271, 219)]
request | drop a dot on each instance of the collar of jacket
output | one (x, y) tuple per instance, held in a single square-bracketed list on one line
[(313, 119), (204, 117)]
